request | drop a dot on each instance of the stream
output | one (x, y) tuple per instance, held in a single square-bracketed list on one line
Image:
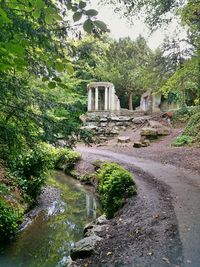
[(47, 240)]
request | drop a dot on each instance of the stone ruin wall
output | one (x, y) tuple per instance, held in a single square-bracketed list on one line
[(107, 126)]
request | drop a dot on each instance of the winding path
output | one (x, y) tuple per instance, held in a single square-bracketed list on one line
[(185, 190)]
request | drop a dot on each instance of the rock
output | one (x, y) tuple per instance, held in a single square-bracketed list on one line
[(120, 123), (103, 119), (85, 247), (66, 261), (124, 118), (139, 120), (96, 230), (145, 143), (123, 139), (148, 131), (137, 145), (163, 131), (154, 124), (103, 124), (101, 220), (90, 127), (114, 118)]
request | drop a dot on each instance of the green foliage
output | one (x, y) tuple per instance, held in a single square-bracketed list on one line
[(193, 127), (9, 220), (182, 140), (157, 12), (32, 166), (184, 83), (131, 75), (88, 178), (65, 159), (115, 185), (191, 133), (184, 114)]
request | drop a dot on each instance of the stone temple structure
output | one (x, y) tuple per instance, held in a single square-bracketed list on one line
[(102, 97)]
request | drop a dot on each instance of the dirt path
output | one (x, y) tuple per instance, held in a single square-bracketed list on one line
[(160, 150), (184, 187)]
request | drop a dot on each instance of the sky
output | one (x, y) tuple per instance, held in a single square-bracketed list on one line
[(120, 28)]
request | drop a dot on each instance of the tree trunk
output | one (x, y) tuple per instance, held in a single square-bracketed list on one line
[(198, 84), (183, 101), (130, 100)]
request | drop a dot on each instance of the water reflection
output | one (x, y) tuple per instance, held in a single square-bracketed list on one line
[(48, 240)]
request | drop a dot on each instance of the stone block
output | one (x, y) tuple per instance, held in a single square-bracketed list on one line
[(123, 139), (139, 120), (103, 124)]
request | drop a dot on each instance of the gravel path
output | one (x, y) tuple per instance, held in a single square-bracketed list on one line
[(160, 150), (184, 188)]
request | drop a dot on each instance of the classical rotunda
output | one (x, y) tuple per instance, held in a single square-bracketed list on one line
[(102, 97)]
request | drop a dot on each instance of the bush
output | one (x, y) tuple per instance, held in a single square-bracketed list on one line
[(115, 185), (9, 220), (33, 165), (182, 140), (183, 114), (65, 159), (32, 168), (193, 127)]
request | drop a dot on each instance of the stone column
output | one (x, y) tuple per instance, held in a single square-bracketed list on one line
[(112, 98), (89, 99), (96, 98), (106, 99)]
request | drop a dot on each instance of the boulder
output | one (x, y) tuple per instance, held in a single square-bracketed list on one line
[(155, 124), (163, 130), (123, 139), (148, 131), (85, 247)]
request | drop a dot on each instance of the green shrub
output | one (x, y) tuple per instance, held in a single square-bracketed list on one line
[(182, 140), (9, 220), (97, 163), (115, 185), (32, 168), (193, 127), (65, 159), (183, 114), (88, 177)]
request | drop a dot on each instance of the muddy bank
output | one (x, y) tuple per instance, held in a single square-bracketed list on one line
[(47, 197), (144, 232)]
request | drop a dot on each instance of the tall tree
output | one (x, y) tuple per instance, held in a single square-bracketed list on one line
[(127, 67)]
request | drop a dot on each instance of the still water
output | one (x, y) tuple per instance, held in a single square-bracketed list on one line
[(47, 241)]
